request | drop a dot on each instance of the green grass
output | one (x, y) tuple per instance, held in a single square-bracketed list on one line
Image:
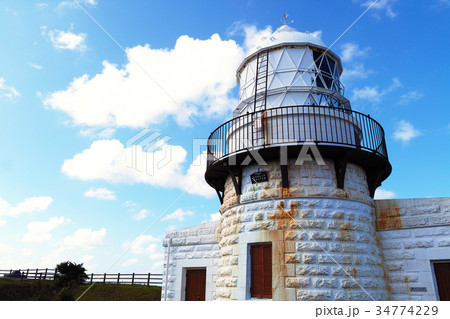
[(12, 290), (111, 292)]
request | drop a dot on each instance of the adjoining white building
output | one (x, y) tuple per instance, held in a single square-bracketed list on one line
[(299, 229)]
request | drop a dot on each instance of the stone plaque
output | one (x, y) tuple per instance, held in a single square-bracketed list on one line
[(418, 289), (259, 177)]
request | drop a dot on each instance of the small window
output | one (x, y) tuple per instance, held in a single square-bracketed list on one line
[(261, 271)]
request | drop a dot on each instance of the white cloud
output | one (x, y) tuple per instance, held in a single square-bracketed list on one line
[(367, 93), (2, 222), (4, 249), (351, 55), (157, 267), (27, 251), (98, 133), (12, 11), (29, 205), (143, 213), (215, 216), (445, 3), (381, 6), (356, 71), (86, 258), (40, 231), (100, 193), (252, 35), (85, 238), (373, 94), (51, 259), (317, 34), (7, 91), (107, 160), (171, 227), (198, 74), (179, 215), (144, 245), (42, 5), (409, 97), (130, 205), (66, 40), (73, 4), (35, 66), (130, 262), (384, 194), (405, 131), (350, 51)]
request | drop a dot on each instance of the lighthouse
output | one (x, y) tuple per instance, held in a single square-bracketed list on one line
[(295, 171)]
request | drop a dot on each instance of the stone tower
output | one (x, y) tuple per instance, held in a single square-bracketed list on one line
[(296, 170)]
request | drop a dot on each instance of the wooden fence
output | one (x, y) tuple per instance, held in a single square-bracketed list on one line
[(148, 279)]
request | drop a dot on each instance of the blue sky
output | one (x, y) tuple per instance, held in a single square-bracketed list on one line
[(70, 98)]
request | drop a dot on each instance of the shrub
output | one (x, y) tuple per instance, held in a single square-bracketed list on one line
[(67, 272)]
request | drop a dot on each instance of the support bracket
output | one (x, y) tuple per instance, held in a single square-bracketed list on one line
[(373, 180), (236, 177), (340, 167), (284, 176), (220, 193)]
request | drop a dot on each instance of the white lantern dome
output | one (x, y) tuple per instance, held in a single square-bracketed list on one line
[(287, 35)]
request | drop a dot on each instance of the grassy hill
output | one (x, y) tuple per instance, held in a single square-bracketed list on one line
[(12, 289)]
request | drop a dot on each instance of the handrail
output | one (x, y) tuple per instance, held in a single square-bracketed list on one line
[(38, 274), (295, 125)]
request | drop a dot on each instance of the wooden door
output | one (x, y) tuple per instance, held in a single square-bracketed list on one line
[(195, 284), (261, 270), (442, 273)]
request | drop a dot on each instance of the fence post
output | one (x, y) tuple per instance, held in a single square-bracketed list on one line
[(45, 276), (118, 278), (40, 276), (54, 274), (132, 280), (10, 271), (104, 278), (148, 280), (28, 270), (35, 274), (92, 277), (21, 276)]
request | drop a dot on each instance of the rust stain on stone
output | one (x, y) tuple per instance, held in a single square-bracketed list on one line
[(406, 281), (285, 192), (385, 273), (279, 267), (281, 213), (389, 217)]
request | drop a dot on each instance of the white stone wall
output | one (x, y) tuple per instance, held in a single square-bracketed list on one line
[(413, 233), (193, 247), (395, 241), (321, 236)]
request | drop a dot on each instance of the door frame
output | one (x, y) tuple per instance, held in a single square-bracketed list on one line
[(250, 245), (185, 269), (440, 261), (180, 276)]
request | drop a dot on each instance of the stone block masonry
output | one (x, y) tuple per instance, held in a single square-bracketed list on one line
[(413, 234), (319, 243), (193, 247), (321, 236)]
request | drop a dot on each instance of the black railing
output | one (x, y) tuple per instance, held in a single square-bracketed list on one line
[(295, 125)]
